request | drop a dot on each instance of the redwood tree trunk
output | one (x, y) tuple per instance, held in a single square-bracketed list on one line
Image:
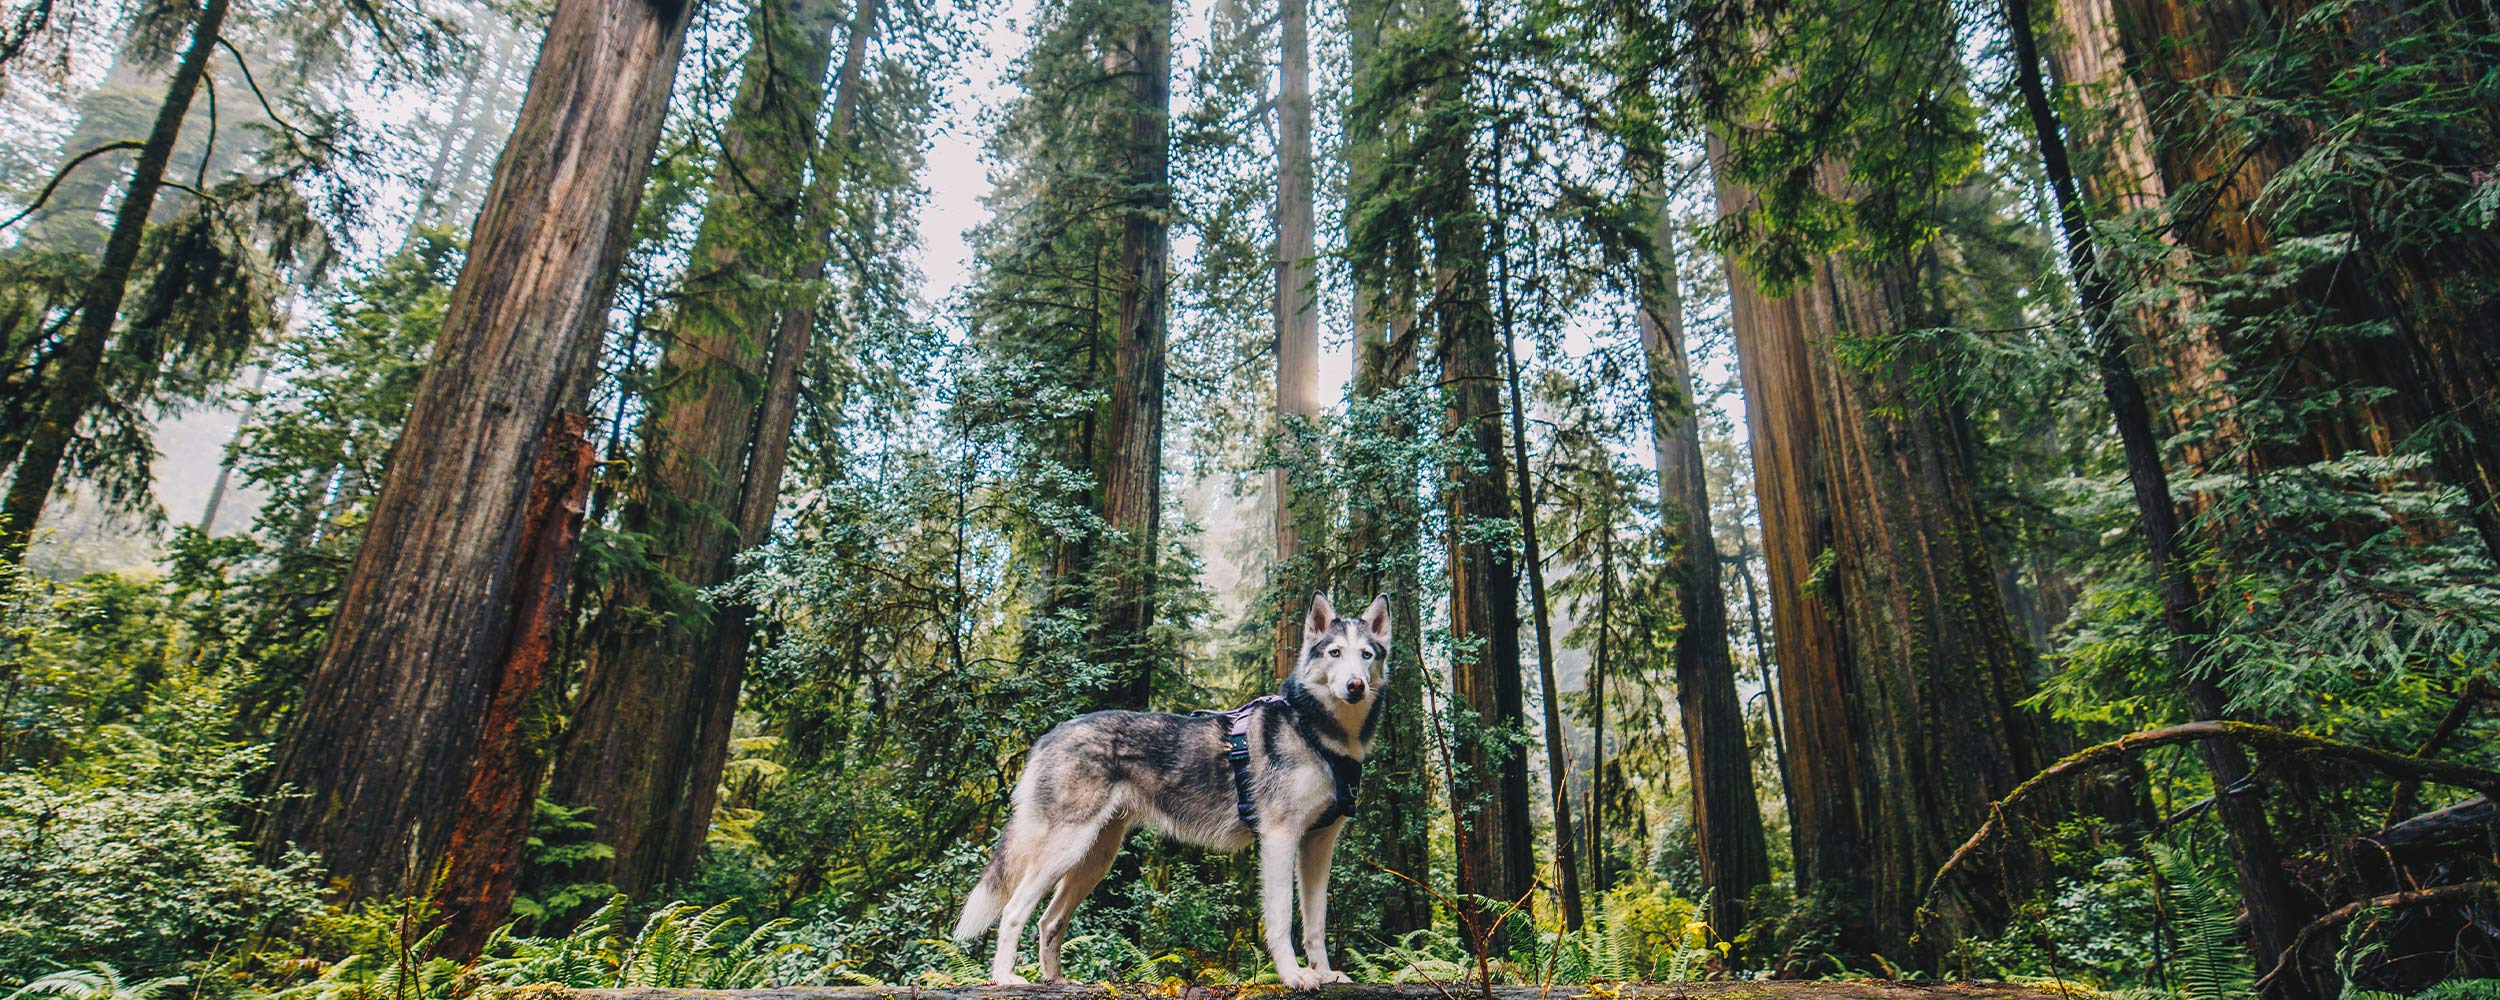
[(1897, 657), (490, 835), (1127, 563), (1490, 805), (649, 736), (1392, 825), (386, 742), (75, 383), (1297, 313), (2275, 912), (1727, 818)]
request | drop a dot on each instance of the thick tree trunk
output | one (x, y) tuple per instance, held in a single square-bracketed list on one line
[(1897, 659), (2178, 67), (385, 744), (1391, 826), (1491, 804), (2275, 912), (1297, 312), (655, 698), (490, 835), (75, 382), (1127, 564), (1727, 818)]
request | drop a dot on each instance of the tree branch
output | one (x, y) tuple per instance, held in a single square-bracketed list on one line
[(2341, 915), (63, 174), (2114, 752)]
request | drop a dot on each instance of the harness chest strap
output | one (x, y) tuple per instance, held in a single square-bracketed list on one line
[(1346, 772)]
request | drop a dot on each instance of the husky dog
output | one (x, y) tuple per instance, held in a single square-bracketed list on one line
[(1294, 759)]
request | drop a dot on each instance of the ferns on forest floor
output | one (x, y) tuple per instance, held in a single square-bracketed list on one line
[(2205, 911)]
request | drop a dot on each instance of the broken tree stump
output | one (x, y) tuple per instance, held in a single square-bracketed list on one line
[(1851, 989)]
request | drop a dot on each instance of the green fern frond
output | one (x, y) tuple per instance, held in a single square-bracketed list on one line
[(2205, 908)]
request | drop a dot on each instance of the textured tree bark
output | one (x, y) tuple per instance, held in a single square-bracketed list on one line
[(776, 416), (1127, 564), (2118, 177), (79, 363), (1490, 805), (1297, 313), (1898, 662), (1394, 829), (655, 697), (2177, 57), (385, 744), (2274, 909), (490, 835), (1727, 817)]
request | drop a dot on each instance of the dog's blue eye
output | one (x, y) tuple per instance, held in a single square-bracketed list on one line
[(1367, 654)]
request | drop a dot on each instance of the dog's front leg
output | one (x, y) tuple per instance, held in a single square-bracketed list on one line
[(1279, 854), (1317, 848)]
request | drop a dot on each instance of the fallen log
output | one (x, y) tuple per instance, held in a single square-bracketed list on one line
[(2279, 741), (1850, 989)]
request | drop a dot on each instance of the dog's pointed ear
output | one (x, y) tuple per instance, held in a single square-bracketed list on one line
[(1376, 618), (1321, 618)]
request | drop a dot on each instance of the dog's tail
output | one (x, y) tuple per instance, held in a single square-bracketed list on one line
[(989, 895)]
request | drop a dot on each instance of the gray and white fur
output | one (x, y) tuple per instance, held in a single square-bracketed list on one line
[(1096, 777)]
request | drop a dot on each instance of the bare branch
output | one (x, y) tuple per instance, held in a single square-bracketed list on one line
[(46, 194)]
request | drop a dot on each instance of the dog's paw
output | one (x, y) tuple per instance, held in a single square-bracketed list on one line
[(1010, 979), (1311, 979)]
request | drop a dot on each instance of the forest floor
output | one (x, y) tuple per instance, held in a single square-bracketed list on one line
[(1854, 989)]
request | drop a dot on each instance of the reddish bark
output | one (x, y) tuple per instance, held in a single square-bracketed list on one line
[(1900, 664), (384, 745), (1128, 563), (1727, 816), (650, 736), (490, 835)]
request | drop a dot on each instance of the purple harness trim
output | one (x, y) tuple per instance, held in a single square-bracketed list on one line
[(1237, 751)]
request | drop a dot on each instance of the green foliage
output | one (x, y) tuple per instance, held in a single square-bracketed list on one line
[(2210, 965), (99, 981), (127, 852), (558, 840)]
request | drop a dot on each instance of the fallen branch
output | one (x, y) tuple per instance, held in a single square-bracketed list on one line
[(2470, 819), (2342, 915), (2405, 800), (2105, 755)]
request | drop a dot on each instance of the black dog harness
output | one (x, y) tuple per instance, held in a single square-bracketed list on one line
[(1347, 771)]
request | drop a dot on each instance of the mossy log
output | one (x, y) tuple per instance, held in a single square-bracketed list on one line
[(1854, 989)]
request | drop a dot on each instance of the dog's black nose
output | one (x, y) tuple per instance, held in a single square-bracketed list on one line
[(1354, 690)]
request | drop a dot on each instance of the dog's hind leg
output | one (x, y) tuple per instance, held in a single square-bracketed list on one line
[(1056, 848), (1073, 888), (1317, 847)]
